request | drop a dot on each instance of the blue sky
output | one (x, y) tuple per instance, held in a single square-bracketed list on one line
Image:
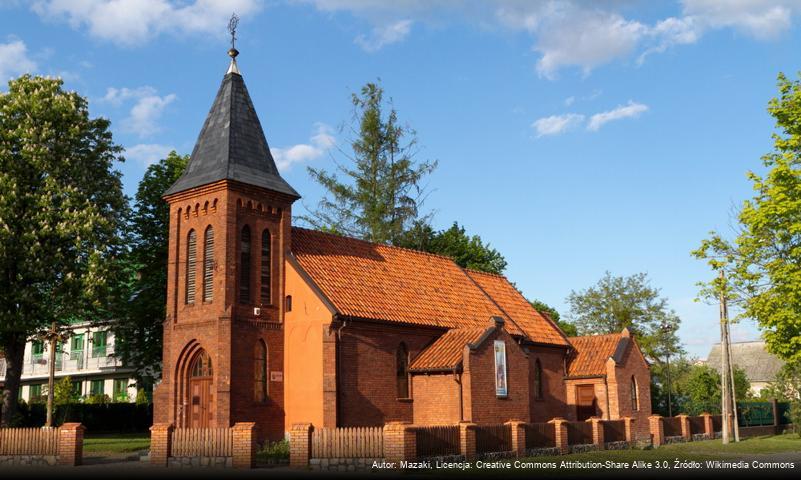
[(575, 137)]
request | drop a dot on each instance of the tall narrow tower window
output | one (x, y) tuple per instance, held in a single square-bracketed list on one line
[(260, 372), (191, 266), (266, 268), (208, 265), (244, 265)]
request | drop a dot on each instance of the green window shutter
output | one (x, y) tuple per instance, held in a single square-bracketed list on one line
[(37, 348), (76, 343), (121, 389), (99, 344), (96, 387)]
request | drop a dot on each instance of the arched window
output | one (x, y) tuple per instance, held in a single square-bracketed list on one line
[(244, 265), (635, 401), (538, 380), (266, 268), (402, 371), (201, 366), (191, 266), (260, 372), (208, 265)]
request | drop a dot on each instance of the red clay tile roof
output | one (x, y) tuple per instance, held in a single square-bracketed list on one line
[(446, 352), (591, 354), (382, 282), (538, 328)]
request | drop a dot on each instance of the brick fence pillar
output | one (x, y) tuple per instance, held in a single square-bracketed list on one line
[(399, 442), (560, 437), (160, 443), (709, 428), (300, 444), (70, 444), (244, 445), (518, 436), (467, 439), (657, 430), (597, 431), (629, 425), (684, 421)]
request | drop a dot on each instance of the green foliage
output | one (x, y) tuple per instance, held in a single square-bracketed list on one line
[(615, 303), (96, 399), (143, 291), (61, 212), (142, 397), (763, 261), (680, 368), (64, 392), (381, 194), (568, 328), (787, 387), (467, 251), (700, 389), (274, 451)]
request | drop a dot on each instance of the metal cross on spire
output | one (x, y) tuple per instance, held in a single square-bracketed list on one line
[(232, 24)]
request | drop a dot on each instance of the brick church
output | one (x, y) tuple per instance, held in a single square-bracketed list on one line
[(277, 324)]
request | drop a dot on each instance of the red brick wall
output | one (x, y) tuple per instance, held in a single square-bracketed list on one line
[(552, 403), (366, 390), (481, 404), (226, 328), (600, 396), (436, 399), (633, 365)]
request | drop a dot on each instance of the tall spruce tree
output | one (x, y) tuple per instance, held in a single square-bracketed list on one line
[(61, 213), (376, 193)]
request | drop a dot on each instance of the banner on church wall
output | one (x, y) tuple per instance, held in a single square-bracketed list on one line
[(501, 388)]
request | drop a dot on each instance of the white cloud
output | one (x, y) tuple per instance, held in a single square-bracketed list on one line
[(556, 124), (574, 33), (762, 19), (134, 22), (385, 35), (148, 153), (147, 109), (630, 110), (14, 60), (319, 143)]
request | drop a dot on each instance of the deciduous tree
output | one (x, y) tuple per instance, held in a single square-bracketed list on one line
[(61, 212)]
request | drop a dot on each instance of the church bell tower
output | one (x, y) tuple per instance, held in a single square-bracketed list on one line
[(230, 227)]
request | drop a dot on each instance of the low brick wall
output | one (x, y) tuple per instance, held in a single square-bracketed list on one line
[(28, 460), (342, 464), (198, 461)]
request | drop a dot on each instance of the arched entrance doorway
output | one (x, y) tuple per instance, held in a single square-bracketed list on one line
[(200, 391)]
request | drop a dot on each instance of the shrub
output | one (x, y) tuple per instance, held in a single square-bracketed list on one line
[(274, 451)]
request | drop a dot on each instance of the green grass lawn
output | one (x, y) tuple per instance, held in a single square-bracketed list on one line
[(116, 442)]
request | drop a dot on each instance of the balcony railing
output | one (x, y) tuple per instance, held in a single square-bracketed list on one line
[(72, 362)]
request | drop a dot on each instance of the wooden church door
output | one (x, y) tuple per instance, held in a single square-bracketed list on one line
[(201, 397)]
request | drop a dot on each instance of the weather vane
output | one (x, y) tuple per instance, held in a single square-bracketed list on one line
[(232, 24)]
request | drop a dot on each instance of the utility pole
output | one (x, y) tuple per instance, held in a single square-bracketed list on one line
[(724, 361), (53, 338), (733, 388)]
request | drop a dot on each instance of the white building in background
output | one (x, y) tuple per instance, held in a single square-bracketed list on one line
[(87, 357), (759, 365)]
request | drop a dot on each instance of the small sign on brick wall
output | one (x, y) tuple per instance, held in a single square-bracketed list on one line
[(276, 376)]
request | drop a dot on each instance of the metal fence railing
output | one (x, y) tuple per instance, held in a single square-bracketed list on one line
[(540, 435), (436, 441), (493, 438)]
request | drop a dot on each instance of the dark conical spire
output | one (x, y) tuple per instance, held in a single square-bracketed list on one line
[(231, 145)]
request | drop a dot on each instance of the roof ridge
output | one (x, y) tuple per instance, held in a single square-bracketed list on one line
[(336, 235), (598, 335)]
